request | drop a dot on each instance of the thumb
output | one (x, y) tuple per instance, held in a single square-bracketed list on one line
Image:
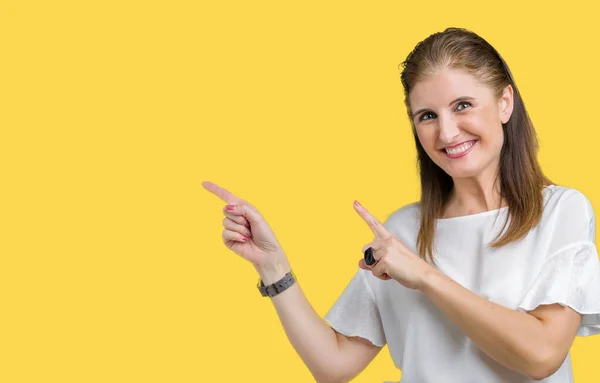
[(363, 265)]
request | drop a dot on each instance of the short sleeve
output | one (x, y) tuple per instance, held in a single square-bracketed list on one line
[(570, 273), (355, 312)]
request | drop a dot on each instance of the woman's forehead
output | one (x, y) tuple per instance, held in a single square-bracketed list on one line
[(443, 86)]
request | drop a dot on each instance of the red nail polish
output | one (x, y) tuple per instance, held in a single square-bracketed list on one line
[(357, 203), (230, 207)]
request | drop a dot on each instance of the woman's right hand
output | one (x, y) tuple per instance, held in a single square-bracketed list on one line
[(246, 232)]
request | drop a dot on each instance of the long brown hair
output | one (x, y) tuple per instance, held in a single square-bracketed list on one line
[(521, 180)]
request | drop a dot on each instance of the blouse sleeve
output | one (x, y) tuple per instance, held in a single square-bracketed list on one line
[(355, 312), (570, 274)]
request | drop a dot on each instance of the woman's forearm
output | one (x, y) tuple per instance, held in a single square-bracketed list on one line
[(514, 339), (314, 341)]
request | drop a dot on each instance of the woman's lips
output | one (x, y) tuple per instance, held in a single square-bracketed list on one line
[(460, 150)]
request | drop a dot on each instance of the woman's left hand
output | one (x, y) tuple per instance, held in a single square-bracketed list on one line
[(393, 260)]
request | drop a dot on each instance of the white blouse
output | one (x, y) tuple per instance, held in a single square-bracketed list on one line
[(557, 262)]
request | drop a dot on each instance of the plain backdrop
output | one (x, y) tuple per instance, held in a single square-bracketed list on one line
[(112, 113)]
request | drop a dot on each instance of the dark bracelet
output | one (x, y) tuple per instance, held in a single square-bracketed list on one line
[(277, 287)]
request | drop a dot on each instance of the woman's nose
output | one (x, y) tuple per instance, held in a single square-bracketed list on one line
[(448, 129)]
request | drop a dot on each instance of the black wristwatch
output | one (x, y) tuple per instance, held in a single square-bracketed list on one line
[(277, 287)]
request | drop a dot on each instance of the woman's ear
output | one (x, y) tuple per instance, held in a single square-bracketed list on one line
[(505, 105)]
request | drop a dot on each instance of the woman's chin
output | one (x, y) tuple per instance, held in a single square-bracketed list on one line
[(463, 172)]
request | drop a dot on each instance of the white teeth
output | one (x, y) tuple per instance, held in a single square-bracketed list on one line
[(460, 149)]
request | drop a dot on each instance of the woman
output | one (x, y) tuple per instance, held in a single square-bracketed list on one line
[(488, 278)]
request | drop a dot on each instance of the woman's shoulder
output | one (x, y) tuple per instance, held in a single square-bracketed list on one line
[(568, 217), (405, 217), (559, 198)]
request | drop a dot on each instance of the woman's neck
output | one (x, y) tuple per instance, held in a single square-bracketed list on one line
[(471, 196)]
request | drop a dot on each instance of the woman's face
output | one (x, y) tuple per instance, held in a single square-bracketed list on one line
[(458, 121)]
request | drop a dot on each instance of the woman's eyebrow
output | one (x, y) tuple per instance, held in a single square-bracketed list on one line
[(462, 98)]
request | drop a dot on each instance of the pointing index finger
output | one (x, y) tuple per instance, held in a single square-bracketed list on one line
[(376, 227), (222, 193)]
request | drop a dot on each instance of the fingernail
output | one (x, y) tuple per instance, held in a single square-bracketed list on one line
[(230, 207), (357, 203), (244, 238)]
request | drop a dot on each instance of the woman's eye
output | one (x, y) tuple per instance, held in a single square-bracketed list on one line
[(462, 105), (426, 116)]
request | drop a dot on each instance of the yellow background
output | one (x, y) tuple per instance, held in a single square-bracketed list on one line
[(113, 112)]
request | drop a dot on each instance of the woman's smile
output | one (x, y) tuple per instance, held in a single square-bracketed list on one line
[(460, 150)]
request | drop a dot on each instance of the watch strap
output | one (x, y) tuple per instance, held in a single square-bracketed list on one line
[(278, 287)]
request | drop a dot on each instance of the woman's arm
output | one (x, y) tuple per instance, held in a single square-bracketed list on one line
[(535, 343), (331, 357)]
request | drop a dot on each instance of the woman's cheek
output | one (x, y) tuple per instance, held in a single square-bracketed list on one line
[(427, 137)]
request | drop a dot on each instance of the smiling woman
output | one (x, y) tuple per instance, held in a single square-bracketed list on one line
[(471, 128), (492, 273)]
